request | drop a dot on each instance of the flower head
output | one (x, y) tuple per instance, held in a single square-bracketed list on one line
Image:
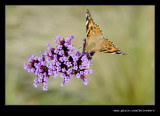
[(59, 61)]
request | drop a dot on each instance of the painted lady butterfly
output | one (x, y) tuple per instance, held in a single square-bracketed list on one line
[(95, 40)]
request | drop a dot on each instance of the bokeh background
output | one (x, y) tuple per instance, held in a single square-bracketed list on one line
[(116, 79)]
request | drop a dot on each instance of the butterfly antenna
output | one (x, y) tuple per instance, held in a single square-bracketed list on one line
[(79, 48)]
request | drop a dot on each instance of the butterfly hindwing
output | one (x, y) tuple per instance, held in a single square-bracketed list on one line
[(109, 47)]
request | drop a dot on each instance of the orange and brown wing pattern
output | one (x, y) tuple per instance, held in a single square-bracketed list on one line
[(93, 34), (89, 24), (97, 30), (109, 47), (95, 40)]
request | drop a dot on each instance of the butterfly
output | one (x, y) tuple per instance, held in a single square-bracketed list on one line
[(95, 40)]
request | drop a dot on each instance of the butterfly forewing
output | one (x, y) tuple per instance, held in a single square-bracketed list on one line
[(94, 35), (89, 24)]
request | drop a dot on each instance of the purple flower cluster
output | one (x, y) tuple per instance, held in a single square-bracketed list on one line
[(60, 61)]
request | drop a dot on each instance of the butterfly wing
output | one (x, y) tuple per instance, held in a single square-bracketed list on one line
[(95, 40), (109, 47), (93, 33)]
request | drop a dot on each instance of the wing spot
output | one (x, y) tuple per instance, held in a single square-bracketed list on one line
[(87, 22), (91, 28), (109, 48)]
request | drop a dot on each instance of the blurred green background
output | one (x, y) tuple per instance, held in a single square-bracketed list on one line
[(116, 79)]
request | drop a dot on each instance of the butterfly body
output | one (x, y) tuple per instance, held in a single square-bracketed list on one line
[(96, 41)]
